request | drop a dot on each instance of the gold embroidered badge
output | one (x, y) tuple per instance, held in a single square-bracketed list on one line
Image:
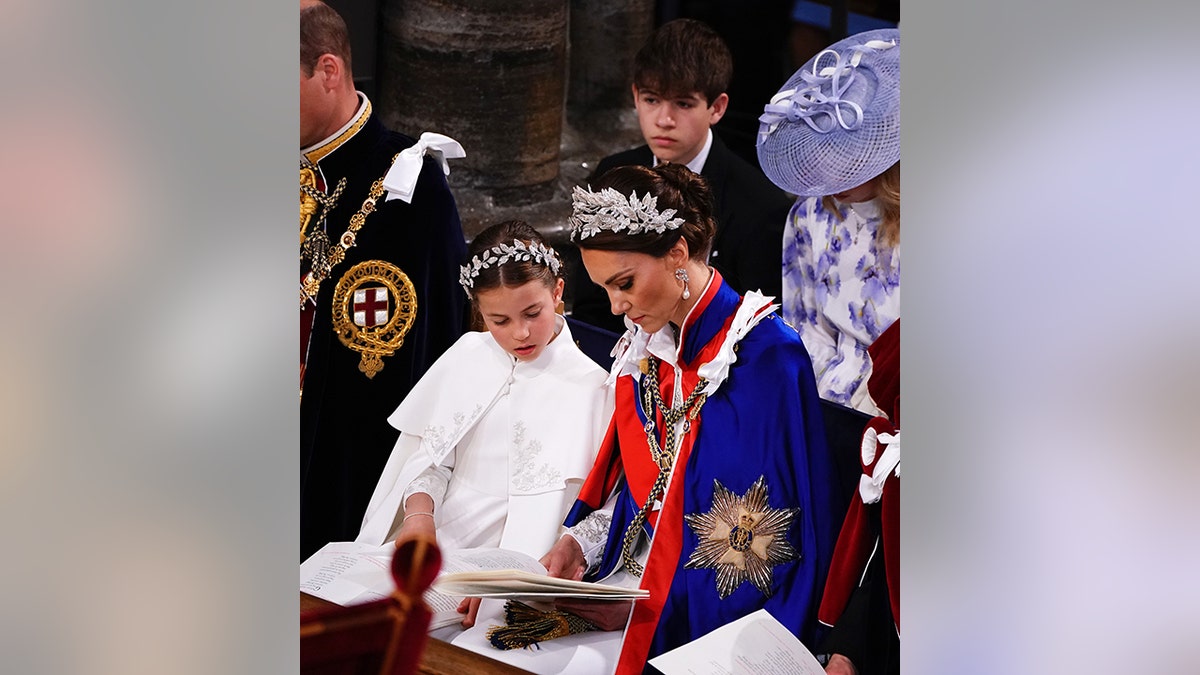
[(742, 538), (374, 306)]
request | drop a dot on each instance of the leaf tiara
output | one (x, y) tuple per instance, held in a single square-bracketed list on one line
[(517, 251), (610, 210)]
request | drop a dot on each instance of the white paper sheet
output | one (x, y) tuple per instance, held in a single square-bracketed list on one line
[(349, 573), (756, 644)]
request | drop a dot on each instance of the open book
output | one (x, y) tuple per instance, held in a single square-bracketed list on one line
[(349, 573), (521, 577)]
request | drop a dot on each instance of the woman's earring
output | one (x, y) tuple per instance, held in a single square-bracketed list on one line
[(682, 275)]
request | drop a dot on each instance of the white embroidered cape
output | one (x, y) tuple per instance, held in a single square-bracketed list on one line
[(547, 417)]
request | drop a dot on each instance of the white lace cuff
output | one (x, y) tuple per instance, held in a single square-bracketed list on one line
[(592, 532), (433, 481)]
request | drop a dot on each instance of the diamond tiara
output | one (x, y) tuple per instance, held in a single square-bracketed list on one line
[(610, 210), (517, 251)]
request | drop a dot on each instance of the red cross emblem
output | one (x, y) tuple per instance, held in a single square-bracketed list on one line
[(370, 307)]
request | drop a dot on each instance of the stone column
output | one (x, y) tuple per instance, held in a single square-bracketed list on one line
[(488, 73), (605, 36)]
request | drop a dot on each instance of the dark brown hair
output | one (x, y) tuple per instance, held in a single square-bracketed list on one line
[(676, 187), (683, 57), (322, 31)]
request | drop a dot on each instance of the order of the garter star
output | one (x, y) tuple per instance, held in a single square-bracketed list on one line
[(742, 538)]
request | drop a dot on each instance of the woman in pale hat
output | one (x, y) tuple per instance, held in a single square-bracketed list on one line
[(831, 136)]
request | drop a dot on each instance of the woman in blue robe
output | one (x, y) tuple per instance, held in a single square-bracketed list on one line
[(714, 488)]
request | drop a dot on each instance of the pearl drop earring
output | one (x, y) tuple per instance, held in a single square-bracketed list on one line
[(682, 275)]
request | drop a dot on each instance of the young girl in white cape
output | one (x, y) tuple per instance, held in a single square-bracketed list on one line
[(497, 437)]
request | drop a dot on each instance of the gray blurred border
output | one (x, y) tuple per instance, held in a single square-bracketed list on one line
[(1050, 158), (149, 467)]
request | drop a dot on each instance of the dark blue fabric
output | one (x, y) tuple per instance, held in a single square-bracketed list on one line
[(345, 438), (820, 15), (594, 341), (765, 420)]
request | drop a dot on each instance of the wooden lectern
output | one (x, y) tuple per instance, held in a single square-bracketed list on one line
[(383, 637)]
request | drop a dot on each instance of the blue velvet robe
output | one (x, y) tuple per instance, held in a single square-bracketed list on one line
[(345, 438), (763, 421)]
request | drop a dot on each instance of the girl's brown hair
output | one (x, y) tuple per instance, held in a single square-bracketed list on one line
[(512, 273)]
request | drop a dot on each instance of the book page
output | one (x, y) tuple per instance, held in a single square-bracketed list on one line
[(444, 605), (349, 573), (756, 644), (477, 559), (499, 573), (513, 583)]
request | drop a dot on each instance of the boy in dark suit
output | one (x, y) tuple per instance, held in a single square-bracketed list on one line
[(680, 79)]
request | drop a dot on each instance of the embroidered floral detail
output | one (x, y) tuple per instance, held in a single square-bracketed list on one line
[(841, 289), (437, 439), (527, 474), (594, 527), (593, 531), (429, 483)]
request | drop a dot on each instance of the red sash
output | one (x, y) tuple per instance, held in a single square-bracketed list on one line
[(641, 472)]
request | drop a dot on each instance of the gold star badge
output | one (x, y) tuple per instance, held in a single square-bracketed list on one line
[(742, 538)]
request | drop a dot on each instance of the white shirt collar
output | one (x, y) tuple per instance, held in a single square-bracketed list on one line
[(697, 163), (866, 210)]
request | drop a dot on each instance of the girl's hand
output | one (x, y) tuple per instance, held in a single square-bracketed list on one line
[(417, 526), (470, 607)]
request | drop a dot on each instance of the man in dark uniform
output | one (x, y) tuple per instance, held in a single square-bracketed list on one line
[(680, 78), (379, 296)]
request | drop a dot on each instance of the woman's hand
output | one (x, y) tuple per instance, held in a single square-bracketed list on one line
[(840, 665), (565, 559), (604, 614), (470, 607)]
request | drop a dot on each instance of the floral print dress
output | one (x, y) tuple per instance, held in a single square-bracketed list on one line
[(841, 290)]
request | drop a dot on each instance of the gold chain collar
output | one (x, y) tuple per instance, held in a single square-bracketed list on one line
[(664, 457), (312, 281)]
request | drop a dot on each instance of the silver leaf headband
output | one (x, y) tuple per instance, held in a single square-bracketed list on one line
[(517, 251), (610, 210)]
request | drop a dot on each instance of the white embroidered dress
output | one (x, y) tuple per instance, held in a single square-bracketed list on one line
[(501, 445), (841, 290)]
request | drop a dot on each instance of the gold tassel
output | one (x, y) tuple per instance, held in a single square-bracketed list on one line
[(527, 626)]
